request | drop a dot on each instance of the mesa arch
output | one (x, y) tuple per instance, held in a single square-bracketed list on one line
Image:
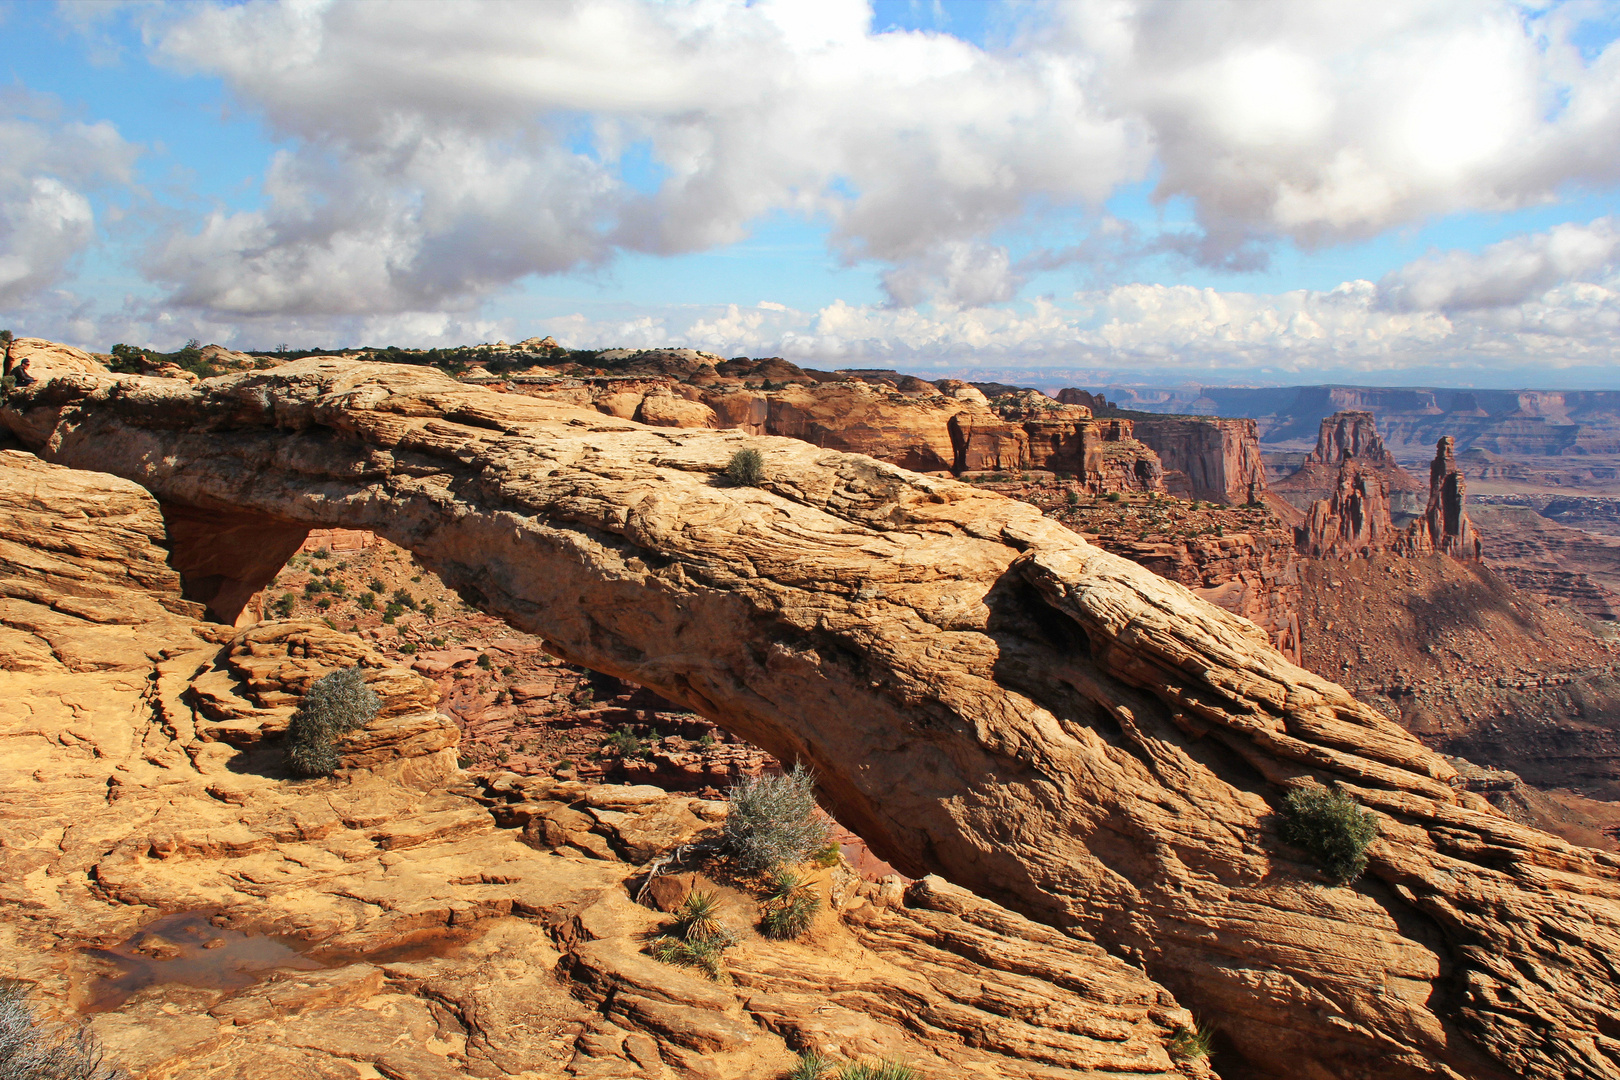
[(984, 694)]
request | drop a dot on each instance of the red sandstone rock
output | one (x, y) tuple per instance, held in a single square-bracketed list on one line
[(981, 692)]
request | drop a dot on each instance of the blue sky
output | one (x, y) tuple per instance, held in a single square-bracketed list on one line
[(1145, 192)]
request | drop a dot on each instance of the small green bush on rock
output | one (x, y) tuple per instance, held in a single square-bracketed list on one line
[(1191, 1043), (811, 1066), (334, 704), (773, 820), (879, 1070), (1331, 826), (746, 467), (790, 908)]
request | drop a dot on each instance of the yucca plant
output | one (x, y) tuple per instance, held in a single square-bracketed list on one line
[(1190, 1043), (811, 1066), (697, 919), (791, 906), (888, 1069), (703, 954)]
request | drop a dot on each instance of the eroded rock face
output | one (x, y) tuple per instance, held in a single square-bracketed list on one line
[(1354, 522), (983, 694), (446, 930), (1349, 436), (1207, 457), (1445, 527)]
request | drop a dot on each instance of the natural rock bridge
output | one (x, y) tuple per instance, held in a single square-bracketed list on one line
[(983, 694)]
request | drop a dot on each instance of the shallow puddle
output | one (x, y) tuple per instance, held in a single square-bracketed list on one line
[(187, 948)]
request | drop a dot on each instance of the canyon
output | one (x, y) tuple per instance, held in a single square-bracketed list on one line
[(984, 695)]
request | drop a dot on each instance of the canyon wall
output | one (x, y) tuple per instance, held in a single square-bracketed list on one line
[(982, 693), (917, 426), (1207, 458)]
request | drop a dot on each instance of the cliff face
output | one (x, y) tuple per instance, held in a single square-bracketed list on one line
[(917, 427), (1353, 522), (982, 693), (1206, 457)]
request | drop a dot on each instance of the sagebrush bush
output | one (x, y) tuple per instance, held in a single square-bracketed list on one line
[(1331, 826), (773, 820), (746, 467), (334, 704), (32, 1049)]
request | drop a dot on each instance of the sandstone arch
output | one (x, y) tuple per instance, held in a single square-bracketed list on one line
[(984, 694)]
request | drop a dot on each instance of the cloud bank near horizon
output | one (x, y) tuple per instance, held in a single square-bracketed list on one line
[(431, 159)]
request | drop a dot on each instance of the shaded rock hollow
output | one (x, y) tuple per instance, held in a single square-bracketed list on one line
[(984, 695)]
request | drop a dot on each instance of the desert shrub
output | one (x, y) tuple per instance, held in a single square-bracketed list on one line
[(700, 938), (408, 647), (829, 856), (376, 585), (367, 601), (706, 956), (1189, 1043), (1074, 497), (888, 1069), (624, 743), (1114, 496), (811, 1066), (746, 467), (282, 606), (485, 662), (334, 704), (790, 908), (698, 919), (773, 820), (403, 599), (430, 609), (1330, 825), (33, 1049)]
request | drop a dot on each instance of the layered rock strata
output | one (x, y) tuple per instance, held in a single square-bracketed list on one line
[(397, 921), (1353, 522), (1207, 457), (1349, 436), (984, 695), (919, 426), (1445, 527)]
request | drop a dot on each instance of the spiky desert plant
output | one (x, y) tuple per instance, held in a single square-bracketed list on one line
[(698, 919), (332, 705), (811, 1066), (887, 1069), (773, 820), (790, 907), (705, 955), (1330, 825), (746, 467), (1190, 1043), (34, 1049)]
